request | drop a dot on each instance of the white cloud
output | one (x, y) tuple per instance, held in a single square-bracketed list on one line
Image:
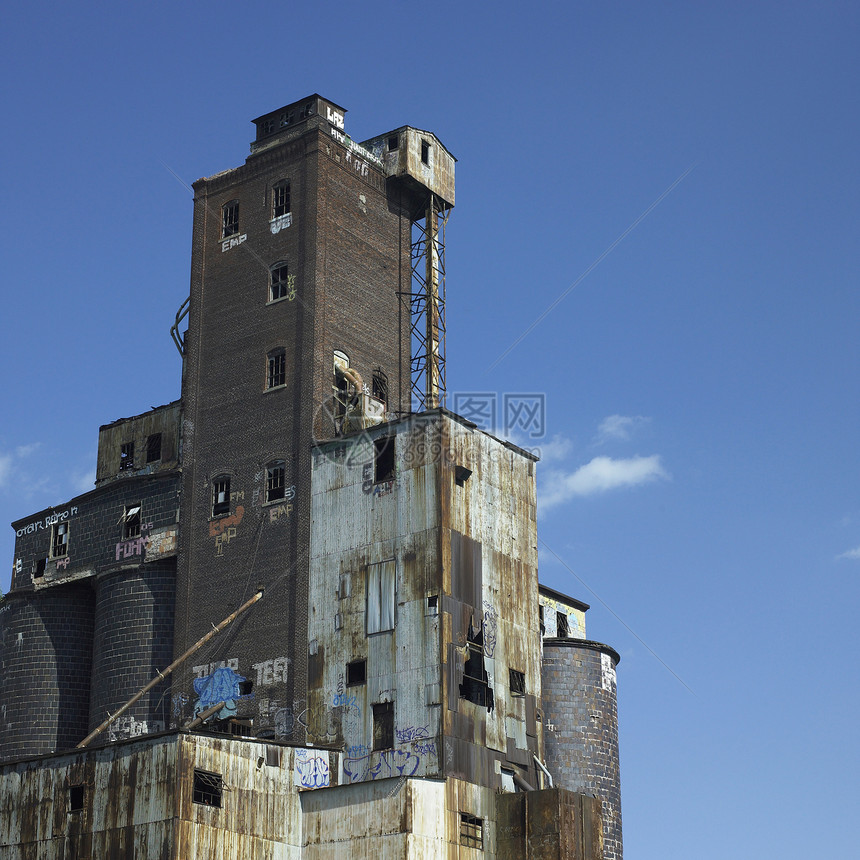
[(556, 449), (615, 427), (599, 476), (5, 468), (25, 450), (851, 553), (83, 482)]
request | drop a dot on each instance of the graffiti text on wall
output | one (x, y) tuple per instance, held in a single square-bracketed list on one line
[(311, 769), (49, 520), (227, 244), (272, 671)]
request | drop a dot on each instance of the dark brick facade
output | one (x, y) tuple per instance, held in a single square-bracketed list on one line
[(581, 726)]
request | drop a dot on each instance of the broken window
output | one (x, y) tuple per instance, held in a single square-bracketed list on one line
[(59, 540), (471, 831), (508, 780), (126, 456), (230, 219), (518, 683), (286, 119), (277, 368), (380, 596), (153, 447), (476, 683), (76, 798), (380, 385), (208, 788), (383, 726), (356, 673), (131, 521), (425, 152), (281, 199), (268, 126), (278, 287), (221, 495), (383, 461), (39, 568), (309, 110), (275, 480), (561, 629)]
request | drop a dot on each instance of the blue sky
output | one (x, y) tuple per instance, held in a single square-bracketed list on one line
[(700, 468)]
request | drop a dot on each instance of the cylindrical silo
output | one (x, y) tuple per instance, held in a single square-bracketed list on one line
[(581, 726), (46, 642), (133, 641)]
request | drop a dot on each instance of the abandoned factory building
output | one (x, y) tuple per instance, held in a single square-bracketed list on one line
[(299, 616)]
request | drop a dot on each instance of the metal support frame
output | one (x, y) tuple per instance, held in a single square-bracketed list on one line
[(427, 306)]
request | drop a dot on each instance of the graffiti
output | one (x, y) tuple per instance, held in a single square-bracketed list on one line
[(49, 520), (272, 671), (381, 765), (426, 748), (318, 723), (291, 287), (281, 222), (411, 733), (129, 548), (367, 478), (342, 700), (607, 672), (221, 686), (352, 146), (227, 244), (208, 668), (334, 117), (284, 722), (129, 727), (238, 495), (63, 563), (223, 524), (311, 769), (180, 703), (490, 631), (280, 511), (357, 750)]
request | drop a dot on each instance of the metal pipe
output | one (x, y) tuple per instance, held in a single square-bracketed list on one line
[(541, 765), (522, 783), (204, 715), (163, 675)]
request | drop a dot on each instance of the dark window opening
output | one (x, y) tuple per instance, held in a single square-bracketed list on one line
[(153, 447), (309, 110), (383, 462), (540, 617), (208, 788), (476, 683), (60, 540), (383, 726), (245, 688), (221, 495), (76, 798), (131, 522), (268, 126), (230, 219), (286, 119), (461, 475), (518, 683), (562, 630), (281, 199), (241, 728), (39, 568), (393, 143), (275, 477), (433, 602), (126, 456), (380, 385), (277, 369), (280, 282), (356, 673), (471, 831), (425, 152)]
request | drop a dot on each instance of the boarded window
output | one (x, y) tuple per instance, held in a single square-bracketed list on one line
[(221, 495), (383, 726), (561, 629), (59, 539), (126, 456), (153, 447), (275, 480), (208, 788), (471, 831), (380, 596), (131, 521), (230, 219)]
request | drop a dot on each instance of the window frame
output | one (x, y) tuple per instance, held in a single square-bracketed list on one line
[(207, 788), (230, 219), (274, 467), (282, 282), (471, 831), (383, 726), (281, 189), (276, 368), (131, 519), (59, 529), (126, 456), (221, 508)]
